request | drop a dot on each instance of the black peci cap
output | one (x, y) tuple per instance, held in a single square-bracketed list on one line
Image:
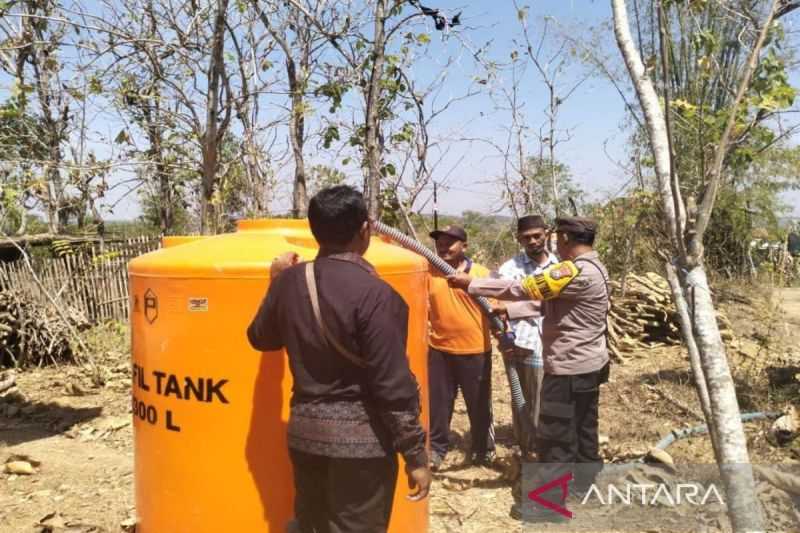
[(530, 222), (576, 225), (457, 232)]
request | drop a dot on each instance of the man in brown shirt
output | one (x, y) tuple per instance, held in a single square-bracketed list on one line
[(355, 403), (574, 300)]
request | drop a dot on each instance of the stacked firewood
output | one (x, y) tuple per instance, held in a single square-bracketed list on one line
[(643, 316), (31, 335)]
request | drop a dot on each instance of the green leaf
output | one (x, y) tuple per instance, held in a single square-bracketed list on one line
[(76, 94), (388, 170), (423, 38), (355, 140), (405, 135), (95, 86), (334, 91), (331, 134)]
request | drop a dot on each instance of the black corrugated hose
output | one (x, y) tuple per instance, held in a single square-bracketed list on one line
[(506, 338)]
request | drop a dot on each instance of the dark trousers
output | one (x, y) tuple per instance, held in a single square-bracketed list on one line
[(341, 495), (567, 434), (447, 373), (530, 379)]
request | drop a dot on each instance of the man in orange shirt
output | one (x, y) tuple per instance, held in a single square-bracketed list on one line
[(460, 353)]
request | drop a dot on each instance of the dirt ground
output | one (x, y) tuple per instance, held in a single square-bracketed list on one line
[(790, 301), (81, 433)]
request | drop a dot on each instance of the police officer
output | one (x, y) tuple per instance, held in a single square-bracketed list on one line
[(574, 300)]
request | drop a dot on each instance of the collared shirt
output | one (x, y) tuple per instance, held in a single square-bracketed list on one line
[(527, 329), (337, 408), (457, 323), (574, 326)]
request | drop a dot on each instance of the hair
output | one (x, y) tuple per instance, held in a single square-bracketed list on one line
[(584, 237), (336, 214)]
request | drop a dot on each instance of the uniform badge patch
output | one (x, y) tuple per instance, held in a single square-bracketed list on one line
[(558, 273)]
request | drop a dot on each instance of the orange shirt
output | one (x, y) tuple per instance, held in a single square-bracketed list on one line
[(457, 323)]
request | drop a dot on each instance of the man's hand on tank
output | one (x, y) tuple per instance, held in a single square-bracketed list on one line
[(282, 262), (420, 479), (460, 280)]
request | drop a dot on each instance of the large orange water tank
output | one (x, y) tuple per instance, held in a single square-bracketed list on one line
[(210, 413)]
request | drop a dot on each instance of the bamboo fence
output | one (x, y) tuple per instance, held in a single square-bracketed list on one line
[(91, 283)]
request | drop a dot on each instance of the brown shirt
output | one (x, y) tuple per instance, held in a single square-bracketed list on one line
[(337, 408), (574, 327)]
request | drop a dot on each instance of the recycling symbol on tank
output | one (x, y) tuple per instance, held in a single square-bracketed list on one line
[(150, 306)]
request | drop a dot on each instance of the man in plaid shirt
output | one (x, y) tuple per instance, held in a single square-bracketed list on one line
[(531, 235)]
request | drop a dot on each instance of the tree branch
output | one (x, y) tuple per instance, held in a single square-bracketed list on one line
[(710, 195)]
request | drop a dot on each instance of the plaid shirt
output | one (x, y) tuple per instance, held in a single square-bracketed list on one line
[(527, 330)]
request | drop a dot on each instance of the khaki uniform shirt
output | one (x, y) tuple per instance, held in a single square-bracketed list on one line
[(574, 327)]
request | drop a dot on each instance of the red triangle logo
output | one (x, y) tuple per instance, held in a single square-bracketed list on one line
[(563, 482)]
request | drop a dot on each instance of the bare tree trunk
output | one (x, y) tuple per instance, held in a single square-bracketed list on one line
[(297, 86), (23, 221), (53, 202), (297, 138), (700, 328), (255, 176), (212, 137), (85, 200), (151, 110), (166, 217), (247, 108), (678, 221), (153, 123), (54, 117), (372, 120), (694, 354), (54, 186), (654, 115), (744, 508), (407, 219), (552, 147)]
